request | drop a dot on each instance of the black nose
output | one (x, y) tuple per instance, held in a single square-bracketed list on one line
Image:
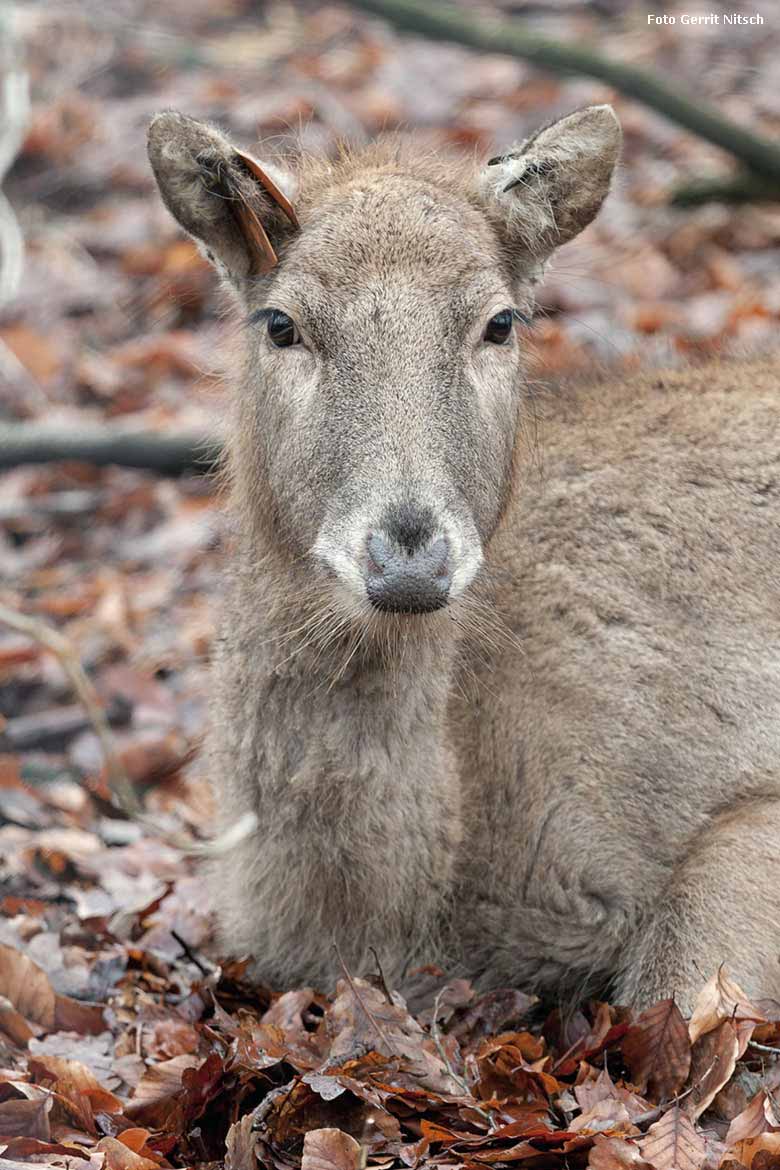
[(407, 580)]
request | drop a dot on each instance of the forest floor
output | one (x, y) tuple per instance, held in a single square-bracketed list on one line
[(122, 1043)]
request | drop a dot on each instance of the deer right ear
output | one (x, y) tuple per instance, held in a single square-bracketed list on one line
[(543, 192), (236, 208)]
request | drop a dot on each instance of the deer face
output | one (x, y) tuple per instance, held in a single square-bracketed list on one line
[(382, 382)]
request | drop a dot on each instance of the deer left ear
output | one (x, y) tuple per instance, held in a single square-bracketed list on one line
[(546, 190), (233, 205)]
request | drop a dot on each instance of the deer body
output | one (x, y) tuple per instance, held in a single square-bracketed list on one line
[(518, 716)]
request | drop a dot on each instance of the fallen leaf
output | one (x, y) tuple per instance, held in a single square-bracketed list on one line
[(330, 1149), (673, 1143), (614, 1153), (759, 1153), (721, 999), (713, 1060), (13, 1024), (240, 1145), (605, 1116), (760, 1115), (26, 1147), (26, 987), (33, 349), (118, 1156), (156, 1094), (657, 1050), (362, 1014), (22, 1117)]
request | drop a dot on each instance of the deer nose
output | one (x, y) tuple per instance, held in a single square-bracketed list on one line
[(407, 580)]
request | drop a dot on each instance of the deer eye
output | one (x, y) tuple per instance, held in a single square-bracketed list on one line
[(499, 327), (282, 329)]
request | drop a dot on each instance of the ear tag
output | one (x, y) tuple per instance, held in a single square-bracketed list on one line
[(250, 221)]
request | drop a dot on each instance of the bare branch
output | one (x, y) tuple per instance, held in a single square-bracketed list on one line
[(444, 21), (103, 446)]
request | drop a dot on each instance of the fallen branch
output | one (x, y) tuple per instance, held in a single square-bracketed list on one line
[(102, 446), (742, 188), (443, 21)]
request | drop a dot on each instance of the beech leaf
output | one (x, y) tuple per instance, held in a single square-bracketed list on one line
[(721, 999), (26, 987), (713, 1060), (330, 1149), (759, 1115), (673, 1143), (616, 1153), (657, 1050)]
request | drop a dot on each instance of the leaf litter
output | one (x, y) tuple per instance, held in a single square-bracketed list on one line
[(124, 1043)]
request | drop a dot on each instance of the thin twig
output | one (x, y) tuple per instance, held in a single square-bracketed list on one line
[(381, 974), (124, 795), (459, 1081), (654, 1114), (369, 1016), (764, 1047), (190, 954)]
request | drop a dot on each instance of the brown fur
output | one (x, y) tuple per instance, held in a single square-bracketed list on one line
[(568, 776)]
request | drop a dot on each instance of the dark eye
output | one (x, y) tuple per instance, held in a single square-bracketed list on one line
[(282, 329), (499, 327)]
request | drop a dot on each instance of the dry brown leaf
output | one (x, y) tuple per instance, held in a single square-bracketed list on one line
[(33, 349), (9, 1164), (721, 999), (763, 1150), (156, 1093), (713, 1060), (606, 1115), (73, 1015), (330, 1149), (363, 1015), (658, 1051), (135, 1138), (760, 1115), (616, 1153), (673, 1143), (240, 1145), (28, 1118), (120, 1157), (26, 1147), (27, 987), (593, 1089), (13, 1024), (76, 1088)]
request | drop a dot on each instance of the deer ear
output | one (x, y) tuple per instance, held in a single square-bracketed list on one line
[(546, 190), (234, 206)]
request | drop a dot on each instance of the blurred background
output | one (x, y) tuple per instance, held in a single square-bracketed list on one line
[(112, 318)]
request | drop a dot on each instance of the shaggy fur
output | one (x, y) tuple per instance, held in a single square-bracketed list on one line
[(569, 776)]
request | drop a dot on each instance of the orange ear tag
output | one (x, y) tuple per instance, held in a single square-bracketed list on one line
[(250, 221)]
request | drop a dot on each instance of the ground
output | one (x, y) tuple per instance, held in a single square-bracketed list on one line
[(123, 1043)]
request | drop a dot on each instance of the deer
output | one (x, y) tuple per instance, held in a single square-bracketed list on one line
[(498, 671)]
